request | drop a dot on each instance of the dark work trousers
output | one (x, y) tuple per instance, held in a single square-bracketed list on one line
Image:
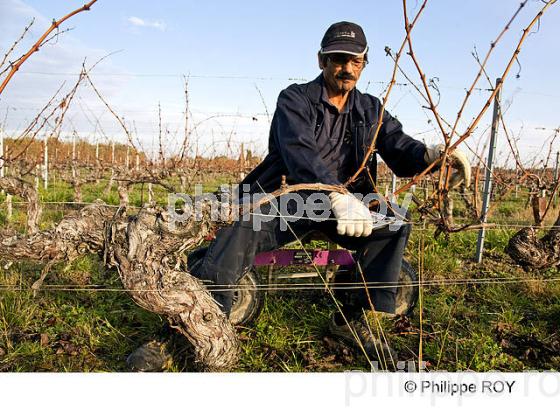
[(379, 255)]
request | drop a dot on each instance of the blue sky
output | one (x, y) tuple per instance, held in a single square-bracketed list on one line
[(233, 50)]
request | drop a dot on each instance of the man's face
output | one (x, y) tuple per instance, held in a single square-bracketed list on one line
[(341, 71)]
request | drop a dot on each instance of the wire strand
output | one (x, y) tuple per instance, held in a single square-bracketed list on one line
[(289, 286)]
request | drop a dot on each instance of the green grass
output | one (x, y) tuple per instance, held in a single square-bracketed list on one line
[(69, 330)]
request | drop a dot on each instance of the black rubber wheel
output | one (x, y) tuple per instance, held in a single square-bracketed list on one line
[(407, 293), (247, 299)]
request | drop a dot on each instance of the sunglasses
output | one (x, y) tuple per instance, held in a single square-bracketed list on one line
[(340, 59)]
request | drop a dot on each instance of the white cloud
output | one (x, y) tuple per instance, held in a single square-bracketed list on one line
[(138, 22)]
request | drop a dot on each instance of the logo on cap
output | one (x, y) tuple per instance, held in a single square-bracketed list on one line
[(350, 34)]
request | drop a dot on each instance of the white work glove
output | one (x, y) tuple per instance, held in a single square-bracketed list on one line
[(352, 216), (459, 162)]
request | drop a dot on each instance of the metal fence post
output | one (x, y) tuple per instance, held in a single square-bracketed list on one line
[(1, 152), (46, 162), (555, 197), (393, 187), (488, 174)]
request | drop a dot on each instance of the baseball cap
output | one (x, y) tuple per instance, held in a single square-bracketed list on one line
[(344, 37)]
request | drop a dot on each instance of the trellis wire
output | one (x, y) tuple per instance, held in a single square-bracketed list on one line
[(291, 286), (491, 225)]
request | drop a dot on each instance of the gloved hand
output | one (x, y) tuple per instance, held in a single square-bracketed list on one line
[(458, 160), (352, 216)]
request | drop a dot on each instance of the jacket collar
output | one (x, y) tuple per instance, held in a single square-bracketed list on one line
[(314, 89)]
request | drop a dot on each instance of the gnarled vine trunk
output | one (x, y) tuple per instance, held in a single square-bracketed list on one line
[(532, 252), (149, 257), (19, 187)]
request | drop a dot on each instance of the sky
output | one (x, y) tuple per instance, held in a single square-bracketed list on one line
[(239, 55)]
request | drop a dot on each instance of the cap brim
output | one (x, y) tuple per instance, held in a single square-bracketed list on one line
[(345, 48)]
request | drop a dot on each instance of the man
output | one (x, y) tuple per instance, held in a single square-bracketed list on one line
[(320, 133)]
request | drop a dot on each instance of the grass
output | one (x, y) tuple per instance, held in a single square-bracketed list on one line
[(69, 331), (480, 327)]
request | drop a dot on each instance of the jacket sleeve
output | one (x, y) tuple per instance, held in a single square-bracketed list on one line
[(402, 153), (293, 130)]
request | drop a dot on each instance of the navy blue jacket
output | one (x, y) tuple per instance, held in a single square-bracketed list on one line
[(293, 144)]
